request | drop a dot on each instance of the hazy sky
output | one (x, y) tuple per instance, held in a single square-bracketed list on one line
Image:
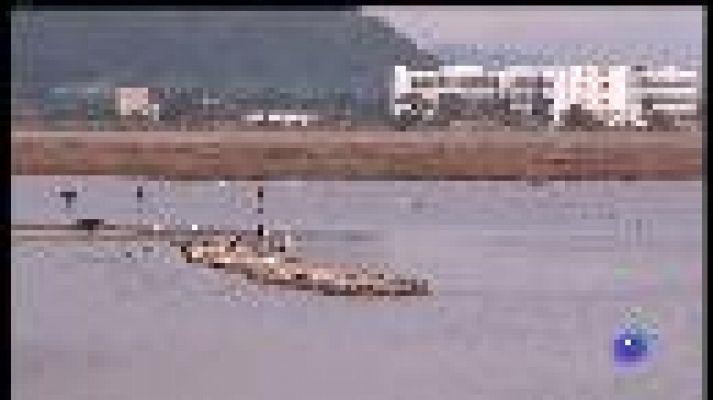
[(679, 26)]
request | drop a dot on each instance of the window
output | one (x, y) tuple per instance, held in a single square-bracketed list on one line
[(423, 82), (605, 85), (476, 82), (527, 82)]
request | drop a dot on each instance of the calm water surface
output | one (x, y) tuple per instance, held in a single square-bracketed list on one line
[(531, 284)]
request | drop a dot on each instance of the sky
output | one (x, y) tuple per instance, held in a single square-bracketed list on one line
[(543, 25)]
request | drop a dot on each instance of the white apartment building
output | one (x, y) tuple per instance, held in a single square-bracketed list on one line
[(136, 100), (616, 95), (417, 92), (600, 90), (667, 91)]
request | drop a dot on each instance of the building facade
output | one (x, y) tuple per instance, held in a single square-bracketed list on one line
[(552, 96), (142, 101)]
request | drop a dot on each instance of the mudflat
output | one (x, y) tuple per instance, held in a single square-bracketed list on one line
[(362, 154)]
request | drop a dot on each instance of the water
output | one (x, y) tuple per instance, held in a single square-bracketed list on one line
[(532, 284)]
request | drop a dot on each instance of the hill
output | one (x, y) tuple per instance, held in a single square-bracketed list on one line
[(270, 53)]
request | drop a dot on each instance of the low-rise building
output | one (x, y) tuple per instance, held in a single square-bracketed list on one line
[(131, 101), (280, 118)]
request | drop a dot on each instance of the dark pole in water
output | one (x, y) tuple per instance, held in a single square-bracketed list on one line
[(69, 196), (139, 210), (260, 196), (89, 224)]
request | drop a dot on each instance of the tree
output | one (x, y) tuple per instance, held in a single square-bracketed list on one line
[(578, 117)]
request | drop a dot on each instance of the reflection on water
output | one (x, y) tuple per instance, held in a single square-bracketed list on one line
[(531, 282)]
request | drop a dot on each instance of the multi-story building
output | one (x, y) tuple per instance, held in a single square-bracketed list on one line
[(600, 91), (557, 96), (666, 96), (417, 94)]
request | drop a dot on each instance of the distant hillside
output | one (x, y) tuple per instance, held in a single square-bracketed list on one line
[(261, 51), (496, 56)]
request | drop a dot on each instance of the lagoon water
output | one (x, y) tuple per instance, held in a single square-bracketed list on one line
[(531, 283)]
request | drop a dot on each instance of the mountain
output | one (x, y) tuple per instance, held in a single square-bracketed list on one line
[(265, 52), (494, 56)]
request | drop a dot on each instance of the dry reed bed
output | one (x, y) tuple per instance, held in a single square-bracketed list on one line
[(361, 155)]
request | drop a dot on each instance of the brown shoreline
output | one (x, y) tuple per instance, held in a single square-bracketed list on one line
[(362, 155)]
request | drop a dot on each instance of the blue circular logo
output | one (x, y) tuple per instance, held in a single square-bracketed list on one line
[(635, 339), (632, 346)]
